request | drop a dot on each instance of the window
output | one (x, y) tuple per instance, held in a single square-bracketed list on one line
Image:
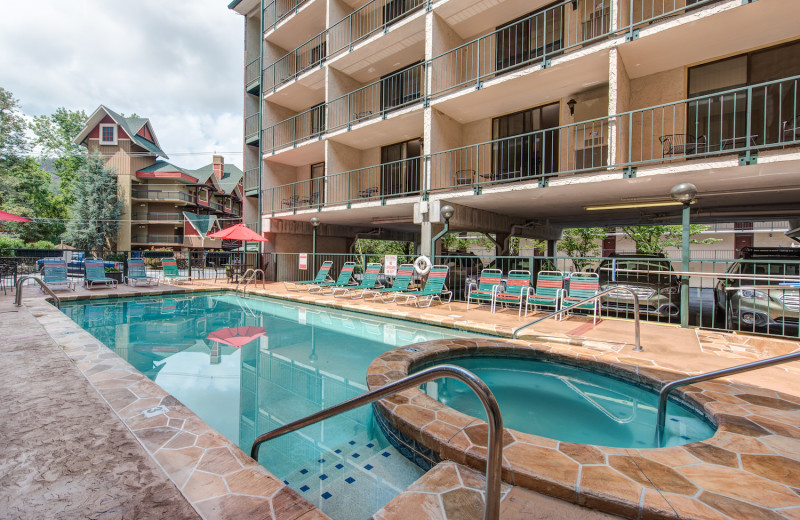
[(534, 152), (400, 168), (525, 39), (203, 196), (401, 87), (108, 134), (317, 182)]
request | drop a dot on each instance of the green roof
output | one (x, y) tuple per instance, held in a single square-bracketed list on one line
[(132, 125), (164, 166), (230, 177), (202, 223)]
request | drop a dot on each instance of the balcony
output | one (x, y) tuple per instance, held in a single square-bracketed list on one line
[(277, 10), (252, 78), (251, 129), (157, 217), (164, 195), (251, 181), (157, 239), (740, 122)]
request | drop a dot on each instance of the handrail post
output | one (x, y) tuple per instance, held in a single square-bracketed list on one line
[(18, 296), (494, 454)]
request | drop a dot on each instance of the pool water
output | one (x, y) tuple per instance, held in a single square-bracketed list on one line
[(570, 404), (308, 359)]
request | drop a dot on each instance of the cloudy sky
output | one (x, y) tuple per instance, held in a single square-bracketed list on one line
[(177, 62)]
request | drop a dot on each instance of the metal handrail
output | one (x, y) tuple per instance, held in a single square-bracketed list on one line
[(637, 348), (252, 276), (494, 455), (18, 297), (663, 395)]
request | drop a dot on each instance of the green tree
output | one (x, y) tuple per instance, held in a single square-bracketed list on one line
[(27, 190), (366, 246), (94, 216), (581, 243), (655, 239), (54, 134), (12, 130)]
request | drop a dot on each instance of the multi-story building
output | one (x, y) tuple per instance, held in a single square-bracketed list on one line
[(525, 116), (165, 206)]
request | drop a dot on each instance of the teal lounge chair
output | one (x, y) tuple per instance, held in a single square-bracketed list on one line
[(516, 292), (137, 273), (96, 275), (54, 274), (169, 267), (434, 289), (323, 276), (368, 282), (487, 287), (405, 272), (582, 286), (344, 279), (549, 290)]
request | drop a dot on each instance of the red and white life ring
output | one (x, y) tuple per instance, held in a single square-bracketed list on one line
[(422, 265)]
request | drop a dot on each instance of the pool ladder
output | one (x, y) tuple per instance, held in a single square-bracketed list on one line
[(45, 288), (249, 276), (494, 454)]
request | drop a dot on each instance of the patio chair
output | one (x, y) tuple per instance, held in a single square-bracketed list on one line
[(344, 279), (323, 275), (486, 288), (582, 286), (682, 144), (548, 291), (54, 274), (96, 274), (137, 273), (169, 269), (368, 282), (517, 291), (434, 289), (405, 272)]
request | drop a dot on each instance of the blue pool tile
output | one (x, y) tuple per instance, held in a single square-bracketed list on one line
[(326, 495), (339, 466), (370, 445), (303, 471), (323, 476), (286, 482), (351, 443), (321, 461), (337, 450), (673, 419), (349, 480), (368, 467), (386, 454), (356, 455), (304, 489)]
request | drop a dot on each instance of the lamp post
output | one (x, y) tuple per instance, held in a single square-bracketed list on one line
[(314, 226), (685, 194), (447, 213)]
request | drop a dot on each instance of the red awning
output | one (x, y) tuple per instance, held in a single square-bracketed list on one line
[(238, 232)]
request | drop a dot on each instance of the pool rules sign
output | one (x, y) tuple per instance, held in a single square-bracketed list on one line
[(303, 261), (390, 269)]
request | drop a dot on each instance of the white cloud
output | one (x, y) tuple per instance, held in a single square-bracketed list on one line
[(178, 63)]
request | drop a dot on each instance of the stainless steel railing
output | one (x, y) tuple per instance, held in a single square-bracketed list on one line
[(248, 277), (663, 395), (637, 336), (494, 455), (18, 297)]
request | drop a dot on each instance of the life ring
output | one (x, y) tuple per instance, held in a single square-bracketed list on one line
[(422, 265)]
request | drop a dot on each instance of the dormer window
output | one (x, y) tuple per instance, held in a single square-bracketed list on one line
[(108, 134)]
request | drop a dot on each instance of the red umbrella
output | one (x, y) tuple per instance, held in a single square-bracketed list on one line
[(4, 215), (237, 336), (238, 232)]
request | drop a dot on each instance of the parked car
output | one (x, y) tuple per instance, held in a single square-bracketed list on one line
[(462, 268), (516, 263), (752, 304), (649, 276)]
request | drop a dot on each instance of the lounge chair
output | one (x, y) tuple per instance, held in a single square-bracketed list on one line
[(138, 274), (169, 268), (405, 272), (517, 290), (322, 276), (368, 282), (96, 274), (344, 279), (549, 290), (54, 274), (487, 287), (434, 289), (582, 286)]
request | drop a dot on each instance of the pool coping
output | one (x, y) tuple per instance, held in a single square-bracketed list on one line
[(214, 475), (748, 469)]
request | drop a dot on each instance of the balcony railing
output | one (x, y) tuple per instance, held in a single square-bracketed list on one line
[(158, 217), (157, 239), (251, 179), (392, 92), (251, 72), (251, 127), (343, 35), (533, 39), (738, 121), (640, 12), (162, 195), (276, 11)]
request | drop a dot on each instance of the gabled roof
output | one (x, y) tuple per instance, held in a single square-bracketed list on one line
[(203, 224), (164, 167), (131, 126), (230, 177)]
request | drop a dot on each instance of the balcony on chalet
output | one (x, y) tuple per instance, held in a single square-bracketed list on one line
[(163, 195), (156, 240), (160, 217)]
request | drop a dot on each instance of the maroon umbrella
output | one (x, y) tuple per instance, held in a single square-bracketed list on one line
[(4, 215), (237, 336)]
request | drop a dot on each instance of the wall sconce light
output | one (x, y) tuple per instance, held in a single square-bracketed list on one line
[(571, 104)]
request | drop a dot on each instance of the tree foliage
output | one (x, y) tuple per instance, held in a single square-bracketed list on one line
[(580, 243), (366, 246), (94, 216), (655, 239), (12, 129), (54, 135), (27, 190)]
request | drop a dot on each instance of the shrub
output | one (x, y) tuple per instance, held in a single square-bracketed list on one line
[(41, 244), (8, 244)]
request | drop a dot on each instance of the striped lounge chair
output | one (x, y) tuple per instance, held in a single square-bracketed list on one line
[(517, 291), (582, 286), (323, 275), (434, 289), (548, 291), (486, 289), (368, 282), (344, 279), (405, 273)]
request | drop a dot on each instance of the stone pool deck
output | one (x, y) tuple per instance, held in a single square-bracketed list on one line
[(219, 482)]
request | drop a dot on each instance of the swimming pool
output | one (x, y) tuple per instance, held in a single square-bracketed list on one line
[(306, 359), (570, 404)]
